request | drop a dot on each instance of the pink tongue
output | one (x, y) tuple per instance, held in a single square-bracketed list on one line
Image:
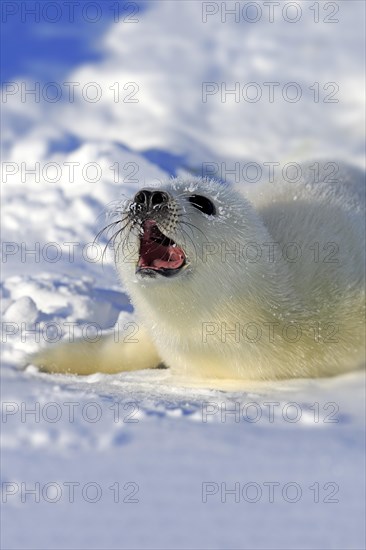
[(158, 256), (174, 259)]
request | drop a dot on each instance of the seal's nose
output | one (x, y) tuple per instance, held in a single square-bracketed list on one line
[(149, 199), (158, 197), (142, 197)]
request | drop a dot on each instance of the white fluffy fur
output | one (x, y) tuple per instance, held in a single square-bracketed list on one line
[(216, 291)]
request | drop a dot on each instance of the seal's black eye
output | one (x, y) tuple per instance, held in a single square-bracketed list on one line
[(203, 203)]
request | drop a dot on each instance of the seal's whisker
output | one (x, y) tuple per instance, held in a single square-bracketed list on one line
[(113, 239), (106, 228), (122, 243), (113, 207), (184, 232), (195, 227)]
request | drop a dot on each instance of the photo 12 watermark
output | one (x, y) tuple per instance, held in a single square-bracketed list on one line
[(272, 171), (72, 492), (52, 412), (71, 172), (269, 491), (272, 332), (270, 92), (69, 92), (269, 412), (70, 11), (51, 332), (270, 12)]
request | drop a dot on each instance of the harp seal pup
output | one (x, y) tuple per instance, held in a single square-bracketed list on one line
[(266, 286)]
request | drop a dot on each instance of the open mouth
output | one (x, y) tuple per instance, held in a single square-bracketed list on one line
[(158, 253)]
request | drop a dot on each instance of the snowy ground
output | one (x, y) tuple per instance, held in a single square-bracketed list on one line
[(158, 460)]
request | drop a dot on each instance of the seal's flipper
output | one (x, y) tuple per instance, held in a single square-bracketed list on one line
[(105, 356)]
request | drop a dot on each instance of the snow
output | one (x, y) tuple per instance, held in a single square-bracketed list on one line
[(136, 428)]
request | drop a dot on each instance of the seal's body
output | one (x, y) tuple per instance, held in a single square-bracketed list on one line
[(225, 286)]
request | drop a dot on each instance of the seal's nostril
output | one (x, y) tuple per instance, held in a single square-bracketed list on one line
[(149, 199), (142, 197), (159, 197)]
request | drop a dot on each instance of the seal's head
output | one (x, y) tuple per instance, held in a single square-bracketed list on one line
[(167, 231), (192, 231)]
